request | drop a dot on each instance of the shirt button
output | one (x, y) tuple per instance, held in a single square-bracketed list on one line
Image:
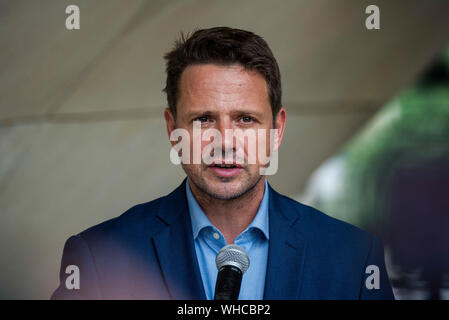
[(216, 236)]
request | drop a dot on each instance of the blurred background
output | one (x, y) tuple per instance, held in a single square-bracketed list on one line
[(82, 136)]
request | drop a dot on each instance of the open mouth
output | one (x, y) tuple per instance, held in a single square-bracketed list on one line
[(225, 170), (226, 166)]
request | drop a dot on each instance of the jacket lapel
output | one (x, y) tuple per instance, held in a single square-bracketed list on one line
[(286, 253), (175, 248)]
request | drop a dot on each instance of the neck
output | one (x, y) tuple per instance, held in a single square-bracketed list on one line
[(233, 216)]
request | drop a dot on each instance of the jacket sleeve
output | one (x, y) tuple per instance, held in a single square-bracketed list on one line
[(78, 276), (376, 284)]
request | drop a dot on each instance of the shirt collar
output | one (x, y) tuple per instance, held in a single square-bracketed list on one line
[(201, 221)]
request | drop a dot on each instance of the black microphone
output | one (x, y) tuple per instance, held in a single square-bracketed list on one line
[(232, 262)]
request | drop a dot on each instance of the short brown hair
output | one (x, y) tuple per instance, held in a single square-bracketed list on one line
[(223, 45)]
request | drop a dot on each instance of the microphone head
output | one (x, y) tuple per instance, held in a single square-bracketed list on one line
[(232, 255)]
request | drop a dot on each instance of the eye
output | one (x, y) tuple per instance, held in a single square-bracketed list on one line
[(202, 119), (247, 119)]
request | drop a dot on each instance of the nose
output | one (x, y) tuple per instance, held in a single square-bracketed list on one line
[(227, 140)]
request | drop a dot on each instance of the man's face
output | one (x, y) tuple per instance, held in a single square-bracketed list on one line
[(223, 98)]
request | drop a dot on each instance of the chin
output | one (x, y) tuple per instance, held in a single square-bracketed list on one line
[(224, 190), (228, 190)]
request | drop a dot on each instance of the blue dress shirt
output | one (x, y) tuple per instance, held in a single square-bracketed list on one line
[(209, 240)]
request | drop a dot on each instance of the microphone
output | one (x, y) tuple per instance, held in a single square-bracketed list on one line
[(232, 262)]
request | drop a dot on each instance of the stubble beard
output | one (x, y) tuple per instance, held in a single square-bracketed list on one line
[(200, 182)]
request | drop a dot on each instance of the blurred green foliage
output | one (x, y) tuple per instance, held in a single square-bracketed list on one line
[(413, 128)]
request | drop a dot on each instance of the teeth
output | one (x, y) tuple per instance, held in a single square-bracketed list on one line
[(225, 165)]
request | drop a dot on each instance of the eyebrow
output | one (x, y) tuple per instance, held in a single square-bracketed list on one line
[(248, 112), (200, 113), (196, 114)]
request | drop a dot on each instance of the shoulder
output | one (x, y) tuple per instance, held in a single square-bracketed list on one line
[(137, 221), (338, 253), (110, 253), (136, 225), (322, 228)]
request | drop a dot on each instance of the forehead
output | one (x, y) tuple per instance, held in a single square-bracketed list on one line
[(220, 85)]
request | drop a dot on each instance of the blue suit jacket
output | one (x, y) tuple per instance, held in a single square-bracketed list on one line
[(148, 253)]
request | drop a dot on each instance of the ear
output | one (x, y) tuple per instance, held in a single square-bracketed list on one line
[(280, 122), (170, 123)]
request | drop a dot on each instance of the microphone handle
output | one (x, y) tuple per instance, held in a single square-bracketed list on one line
[(228, 283)]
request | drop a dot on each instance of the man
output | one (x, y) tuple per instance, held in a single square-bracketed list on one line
[(223, 79)]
